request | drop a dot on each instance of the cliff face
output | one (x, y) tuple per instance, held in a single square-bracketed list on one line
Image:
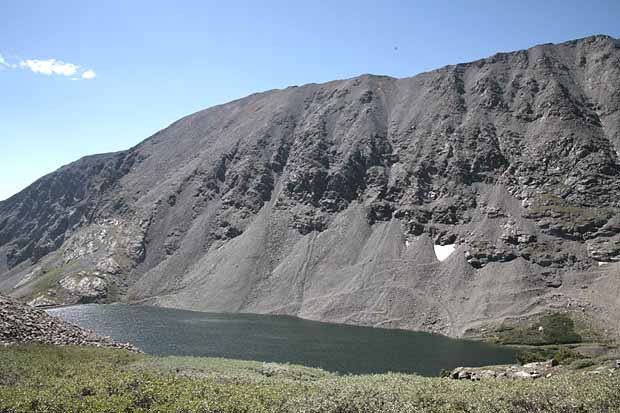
[(334, 202)]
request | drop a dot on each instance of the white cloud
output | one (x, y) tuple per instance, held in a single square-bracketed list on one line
[(3, 62), (50, 66), (89, 74)]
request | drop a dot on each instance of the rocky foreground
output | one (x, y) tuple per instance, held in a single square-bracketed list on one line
[(531, 371), (20, 323)]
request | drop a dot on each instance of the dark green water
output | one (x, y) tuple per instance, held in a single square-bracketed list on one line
[(334, 347)]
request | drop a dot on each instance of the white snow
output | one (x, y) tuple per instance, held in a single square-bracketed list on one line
[(443, 251)]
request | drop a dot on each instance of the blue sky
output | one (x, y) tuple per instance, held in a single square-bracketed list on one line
[(156, 61)]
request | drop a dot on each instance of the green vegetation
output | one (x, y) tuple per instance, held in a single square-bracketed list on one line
[(582, 364), (552, 203), (565, 355), (554, 328), (559, 328), (48, 280), (228, 370), (532, 356), (113, 293), (72, 379), (574, 219), (560, 355)]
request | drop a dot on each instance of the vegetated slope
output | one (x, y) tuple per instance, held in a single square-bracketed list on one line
[(325, 202), (51, 378)]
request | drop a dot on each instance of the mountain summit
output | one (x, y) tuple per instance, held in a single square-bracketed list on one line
[(456, 201)]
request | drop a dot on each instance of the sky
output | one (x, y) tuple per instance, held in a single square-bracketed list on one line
[(79, 77)]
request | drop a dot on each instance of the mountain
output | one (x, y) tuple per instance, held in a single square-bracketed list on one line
[(337, 201)]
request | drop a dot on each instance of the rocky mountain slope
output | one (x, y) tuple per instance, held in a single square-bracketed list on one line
[(337, 201)]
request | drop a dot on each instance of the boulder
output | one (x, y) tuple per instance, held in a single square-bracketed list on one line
[(520, 374), (41, 301), (108, 265), (541, 365), (483, 374)]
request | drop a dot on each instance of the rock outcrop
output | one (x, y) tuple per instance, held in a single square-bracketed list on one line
[(531, 371), (326, 202), (20, 323), (527, 371)]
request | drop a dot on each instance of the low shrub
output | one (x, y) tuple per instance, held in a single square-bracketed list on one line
[(559, 328), (69, 379), (582, 364), (443, 373), (554, 328), (532, 356), (565, 355)]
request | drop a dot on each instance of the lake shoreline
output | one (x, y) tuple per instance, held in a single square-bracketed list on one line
[(336, 347)]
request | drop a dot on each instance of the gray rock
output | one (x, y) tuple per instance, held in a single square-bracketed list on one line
[(42, 301), (87, 287), (20, 323), (460, 373), (325, 201), (524, 375), (540, 365), (484, 374), (463, 375), (108, 265)]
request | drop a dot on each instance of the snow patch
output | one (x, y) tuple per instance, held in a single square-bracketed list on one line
[(443, 251)]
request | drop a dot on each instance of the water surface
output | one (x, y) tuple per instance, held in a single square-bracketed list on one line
[(333, 347)]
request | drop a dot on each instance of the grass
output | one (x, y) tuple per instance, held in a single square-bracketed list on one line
[(35, 378), (229, 370), (48, 280), (560, 355), (552, 204), (557, 328)]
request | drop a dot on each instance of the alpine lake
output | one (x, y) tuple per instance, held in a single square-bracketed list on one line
[(334, 347)]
